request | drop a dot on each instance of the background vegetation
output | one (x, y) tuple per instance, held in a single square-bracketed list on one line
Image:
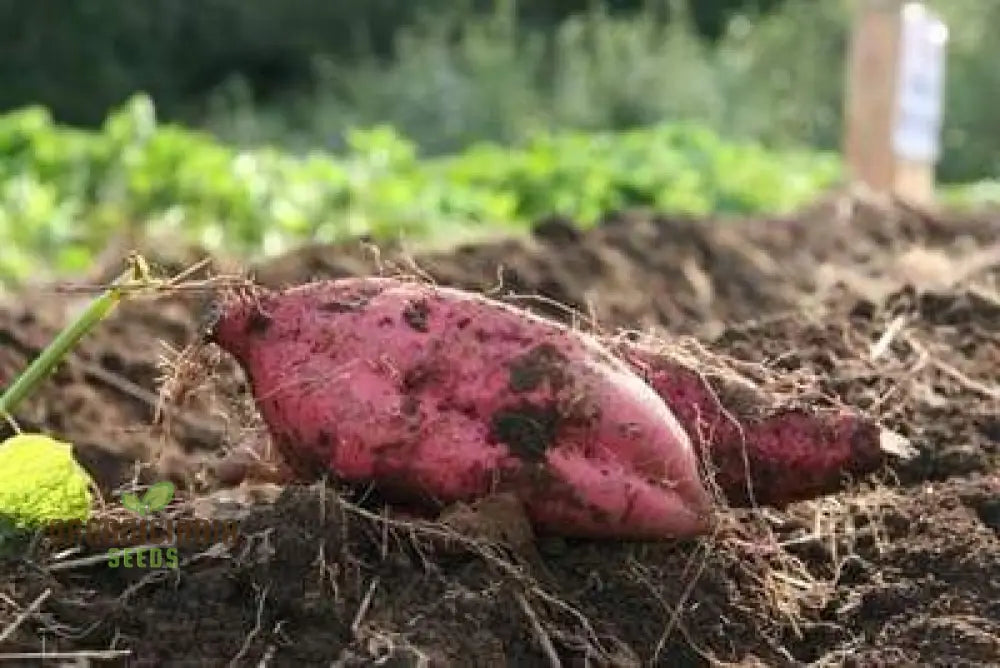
[(281, 120), (449, 72), (187, 186)]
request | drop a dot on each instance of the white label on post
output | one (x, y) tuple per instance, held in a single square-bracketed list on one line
[(920, 95)]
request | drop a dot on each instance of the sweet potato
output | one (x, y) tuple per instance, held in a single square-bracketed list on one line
[(762, 450), (435, 395)]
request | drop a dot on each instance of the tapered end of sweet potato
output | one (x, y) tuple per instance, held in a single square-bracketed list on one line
[(794, 455), (756, 446), (234, 318)]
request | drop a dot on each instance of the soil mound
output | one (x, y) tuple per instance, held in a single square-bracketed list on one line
[(893, 310)]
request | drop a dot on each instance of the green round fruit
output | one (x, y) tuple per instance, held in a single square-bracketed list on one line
[(41, 483)]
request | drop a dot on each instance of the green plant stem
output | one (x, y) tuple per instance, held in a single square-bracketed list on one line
[(45, 363)]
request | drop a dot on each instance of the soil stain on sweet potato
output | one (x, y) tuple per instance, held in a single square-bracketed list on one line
[(345, 305), (543, 362), (258, 323), (415, 315), (528, 430), (418, 377)]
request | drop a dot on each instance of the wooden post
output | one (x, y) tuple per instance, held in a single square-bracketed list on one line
[(894, 98)]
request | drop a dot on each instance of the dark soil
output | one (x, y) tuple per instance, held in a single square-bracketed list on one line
[(902, 568)]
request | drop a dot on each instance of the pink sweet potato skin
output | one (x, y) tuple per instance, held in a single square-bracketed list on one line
[(776, 457), (436, 395)]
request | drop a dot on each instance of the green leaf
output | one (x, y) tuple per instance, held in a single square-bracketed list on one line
[(158, 496), (132, 502)]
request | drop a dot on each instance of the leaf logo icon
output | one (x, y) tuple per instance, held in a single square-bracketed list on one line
[(132, 502), (156, 498)]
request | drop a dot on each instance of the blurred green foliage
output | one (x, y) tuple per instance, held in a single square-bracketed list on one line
[(775, 76), (81, 58), (975, 196), (455, 81), (447, 73), (65, 193)]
